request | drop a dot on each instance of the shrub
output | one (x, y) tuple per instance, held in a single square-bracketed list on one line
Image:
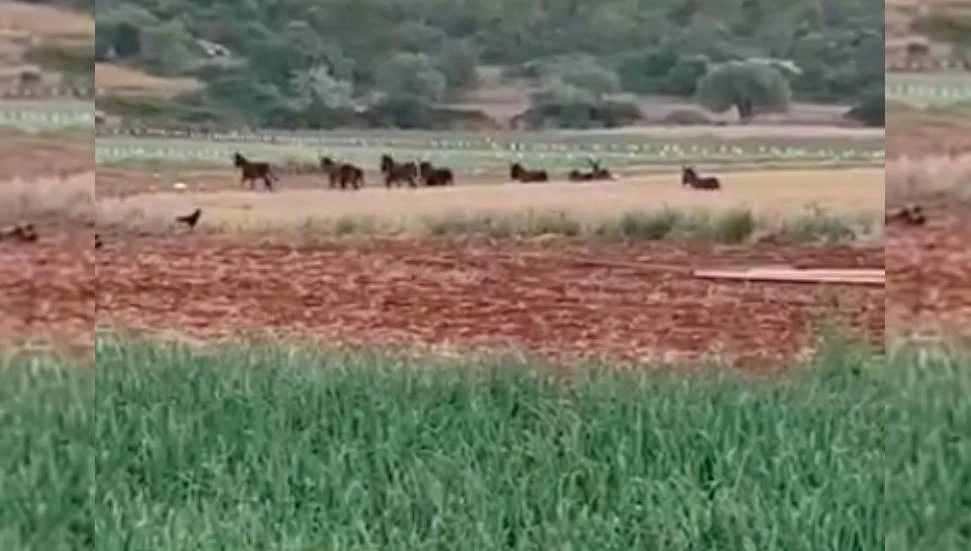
[(687, 117)]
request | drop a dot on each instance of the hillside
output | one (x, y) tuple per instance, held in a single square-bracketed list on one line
[(45, 49), (428, 62), (928, 35), (116, 79)]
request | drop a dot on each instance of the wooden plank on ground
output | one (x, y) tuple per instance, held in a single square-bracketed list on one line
[(843, 276)]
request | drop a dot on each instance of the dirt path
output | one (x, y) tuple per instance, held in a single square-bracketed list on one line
[(561, 299)]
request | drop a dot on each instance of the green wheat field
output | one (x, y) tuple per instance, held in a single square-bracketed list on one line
[(272, 448)]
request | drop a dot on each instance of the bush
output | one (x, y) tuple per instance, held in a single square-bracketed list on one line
[(579, 114), (870, 110), (687, 117)]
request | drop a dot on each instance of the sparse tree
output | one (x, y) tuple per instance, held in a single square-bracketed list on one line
[(459, 63), (584, 75), (748, 86), (318, 85)]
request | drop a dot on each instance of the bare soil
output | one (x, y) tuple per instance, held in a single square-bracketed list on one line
[(44, 21), (559, 299), (28, 156), (116, 79), (49, 290), (915, 133), (929, 275)]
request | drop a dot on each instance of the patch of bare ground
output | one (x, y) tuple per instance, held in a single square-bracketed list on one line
[(28, 156), (917, 133), (49, 291), (45, 21), (558, 298), (929, 275), (118, 80)]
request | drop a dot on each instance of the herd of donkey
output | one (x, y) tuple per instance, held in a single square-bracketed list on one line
[(348, 176)]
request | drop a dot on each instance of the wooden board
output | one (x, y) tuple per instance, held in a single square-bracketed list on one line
[(843, 276)]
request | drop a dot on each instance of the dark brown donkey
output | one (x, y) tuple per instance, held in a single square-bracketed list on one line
[(691, 179), (520, 174), (343, 174), (434, 176), (252, 171), (395, 173)]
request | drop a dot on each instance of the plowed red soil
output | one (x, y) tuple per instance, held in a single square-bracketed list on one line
[(929, 275), (47, 291), (560, 299)]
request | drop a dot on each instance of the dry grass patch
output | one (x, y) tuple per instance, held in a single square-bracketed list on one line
[(645, 206), (913, 132), (928, 178), (29, 155), (44, 21), (68, 200)]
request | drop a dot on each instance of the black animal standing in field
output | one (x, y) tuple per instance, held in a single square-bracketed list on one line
[(691, 179), (518, 173), (395, 173), (434, 176), (597, 172), (343, 174), (190, 219), (97, 241), (252, 171)]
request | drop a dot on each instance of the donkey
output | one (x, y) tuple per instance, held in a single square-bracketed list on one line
[(252, 171), (518, 173), (344, 174), (691, 179), (433, 176), (395, 173)]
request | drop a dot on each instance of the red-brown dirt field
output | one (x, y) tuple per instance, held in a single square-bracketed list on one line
[(47, 291), (929, 274), (608, 300)]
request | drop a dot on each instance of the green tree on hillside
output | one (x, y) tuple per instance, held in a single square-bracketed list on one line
[(428, 50), (408, 74), (166, 48), (750, 87), (588, 76), (459, 64), (318, 85)]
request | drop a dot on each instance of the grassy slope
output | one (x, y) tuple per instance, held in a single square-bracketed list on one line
[(270, 448)]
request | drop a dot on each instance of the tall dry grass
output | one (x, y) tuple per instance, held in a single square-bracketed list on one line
[(839, 204), (70, 200), (927, 178)]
